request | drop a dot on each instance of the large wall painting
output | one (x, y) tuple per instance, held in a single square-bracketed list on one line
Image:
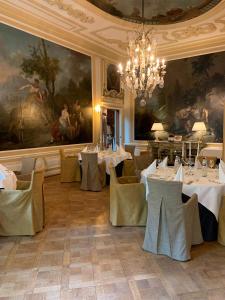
[(45, 92), (194, 91)]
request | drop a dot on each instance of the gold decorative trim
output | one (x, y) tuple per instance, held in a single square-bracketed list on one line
[(76, 13), (113, 93)]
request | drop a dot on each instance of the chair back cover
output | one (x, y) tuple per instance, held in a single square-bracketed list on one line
[(142, 161), (90, 172), (166, 230), (130, 149), (28, 165)]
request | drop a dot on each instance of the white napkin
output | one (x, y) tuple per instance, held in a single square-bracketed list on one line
[(221, 172), (149, 170), (222, 163), (2, 177), (180, 174), (197, 163), (164, 163), (85, 149)]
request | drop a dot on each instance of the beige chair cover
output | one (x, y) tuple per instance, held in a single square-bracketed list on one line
[(130, 149), (128, 206), (27, 166), (70, 168), (128, 167), (142, 162), (93, 174), (172, 227), (221, 221), (22, 210)]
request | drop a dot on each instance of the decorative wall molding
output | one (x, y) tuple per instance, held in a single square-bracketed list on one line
[(76, 13)]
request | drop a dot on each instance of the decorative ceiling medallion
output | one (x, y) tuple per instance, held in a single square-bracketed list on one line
[(76, 13), (156, 12)]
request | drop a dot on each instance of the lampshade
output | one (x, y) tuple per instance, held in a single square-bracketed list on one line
[(157, 127), (199, 126)]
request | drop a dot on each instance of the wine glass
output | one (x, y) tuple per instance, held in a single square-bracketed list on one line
[(211, 163)]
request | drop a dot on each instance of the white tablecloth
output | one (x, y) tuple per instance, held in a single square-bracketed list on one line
[(9, 182), (208, 189), (111, 157), (214, 151)]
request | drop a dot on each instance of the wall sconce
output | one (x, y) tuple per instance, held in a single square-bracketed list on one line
[(97, 108)]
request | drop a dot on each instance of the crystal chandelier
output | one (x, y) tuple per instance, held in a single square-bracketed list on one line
[(143, 71)]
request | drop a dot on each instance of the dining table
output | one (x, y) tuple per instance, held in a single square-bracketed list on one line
[(207, 186), (10, 180)]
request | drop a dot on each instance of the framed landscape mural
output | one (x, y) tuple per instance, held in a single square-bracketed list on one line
[(194, 91), (45, 92)]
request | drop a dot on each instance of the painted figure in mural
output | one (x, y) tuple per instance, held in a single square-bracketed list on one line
[(64, 121), (34, 90), (77, 117)]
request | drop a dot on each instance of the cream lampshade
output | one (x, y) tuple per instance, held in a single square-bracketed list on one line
[(200, 128), (157, 127)]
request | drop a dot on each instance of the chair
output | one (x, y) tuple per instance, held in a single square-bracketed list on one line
[(142, 162), (27, 166), (130, 149), (128, 167), (70, 168), (22, 210), (128, 206), (221, 223), (172, 227), (93, 174)]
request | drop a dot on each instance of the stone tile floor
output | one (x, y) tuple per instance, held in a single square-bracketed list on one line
[(79, 255)]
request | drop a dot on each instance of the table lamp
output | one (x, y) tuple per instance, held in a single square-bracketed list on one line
[(157, 127), (200, 128)]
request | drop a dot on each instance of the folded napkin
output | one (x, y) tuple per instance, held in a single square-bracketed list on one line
[(180, 174), (198, 165), (221, 172), (85, 149), (164, 163), (97, 148), (222, 163), (2, 177), (149, 170)]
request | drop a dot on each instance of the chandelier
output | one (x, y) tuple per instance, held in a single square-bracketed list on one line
[(144, 70)]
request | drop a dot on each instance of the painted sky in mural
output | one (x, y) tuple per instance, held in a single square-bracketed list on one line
[(194, 91), (45, 92)]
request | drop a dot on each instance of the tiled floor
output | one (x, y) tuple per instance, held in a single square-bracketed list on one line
[(80, 256)]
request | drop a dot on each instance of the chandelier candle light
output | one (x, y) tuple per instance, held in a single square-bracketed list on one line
[(144, 70)]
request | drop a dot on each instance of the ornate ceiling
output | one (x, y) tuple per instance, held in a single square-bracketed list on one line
[(82, 26), (155, 11)]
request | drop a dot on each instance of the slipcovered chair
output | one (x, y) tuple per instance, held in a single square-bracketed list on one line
[(221, 223), (27, 166), (128, 167), (128, 206), (142, 162), (22, 210), (93, 173), (172, 227), (130, 149), (70, 168)]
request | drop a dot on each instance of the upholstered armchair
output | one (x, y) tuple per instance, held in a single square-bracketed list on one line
[(70, 168), (221, 223), (142, 162), (128, 206), (130, 149), (22, 210), (172, 227)]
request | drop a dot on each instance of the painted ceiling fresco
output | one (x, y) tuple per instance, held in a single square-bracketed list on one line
[(156, 11)]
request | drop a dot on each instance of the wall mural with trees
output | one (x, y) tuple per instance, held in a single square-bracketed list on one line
[(45, 92), (194, 91)]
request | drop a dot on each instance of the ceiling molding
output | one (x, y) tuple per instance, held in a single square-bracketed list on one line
[(81, 26)]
